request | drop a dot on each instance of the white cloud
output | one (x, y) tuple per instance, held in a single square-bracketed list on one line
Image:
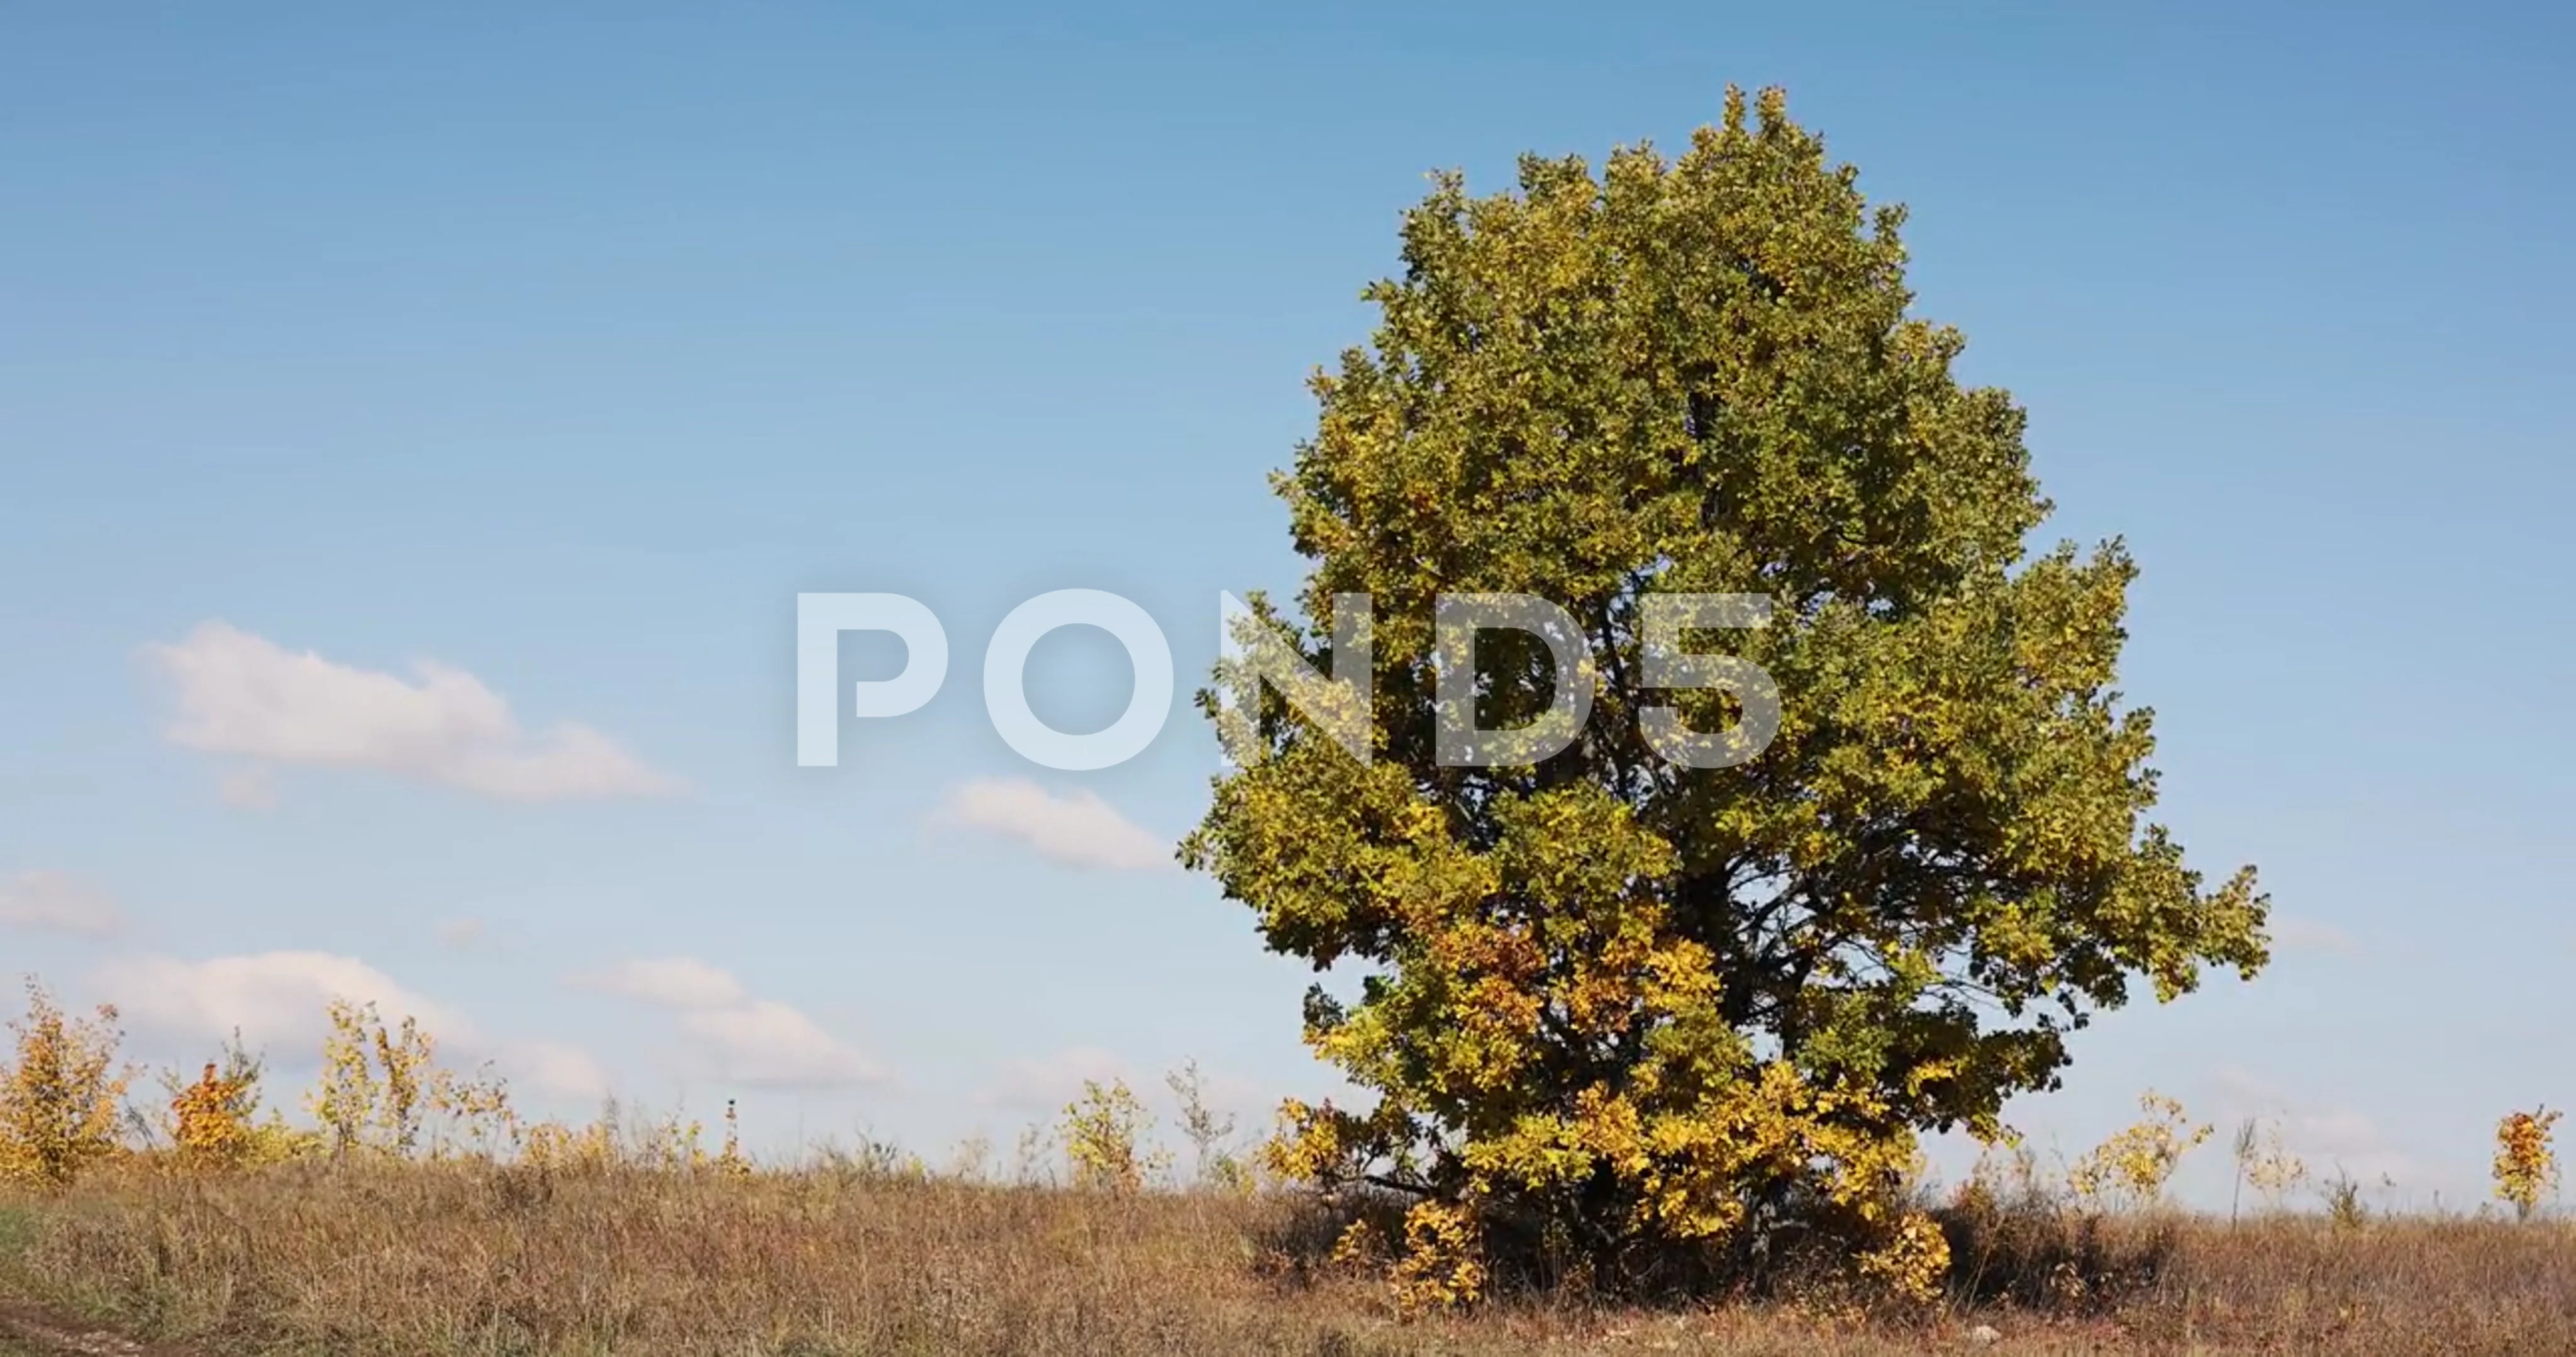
[(1077, 829), (766, 1042), (1048, 1084), (278, 999), (270, 997), (740, 1038), (58, 902), (2296, 933), (671, 982), (461, 934), (2330, 1139), (239, 694), (553, 1067)]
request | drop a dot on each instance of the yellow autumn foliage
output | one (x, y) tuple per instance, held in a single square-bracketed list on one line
[(1104, 1134), (2132, 1167), (383, 1091), (60, 1093), (2526, 1167)]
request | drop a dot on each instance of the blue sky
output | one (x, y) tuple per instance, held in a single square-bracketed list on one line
[(563, 350)]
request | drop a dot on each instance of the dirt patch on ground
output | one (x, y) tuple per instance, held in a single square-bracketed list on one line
[(47, 1334)]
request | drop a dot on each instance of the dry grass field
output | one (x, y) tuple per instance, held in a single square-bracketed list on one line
[(483, 1258), (411, 1210)]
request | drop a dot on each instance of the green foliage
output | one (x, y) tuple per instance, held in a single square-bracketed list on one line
[(1609, 997), (17, 1230)]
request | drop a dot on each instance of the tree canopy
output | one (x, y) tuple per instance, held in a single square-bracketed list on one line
[(1626, 1003)]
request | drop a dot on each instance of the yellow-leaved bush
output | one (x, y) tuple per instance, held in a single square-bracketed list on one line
[(216, 1122), (61, 1092), (2526, 1167), (2131, 1168), (382, 1094), (383, 1091), (1104, 1134)]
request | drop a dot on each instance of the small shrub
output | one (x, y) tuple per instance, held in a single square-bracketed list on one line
[(2262, 1160), (1442, 1266), (2344, 1205), (1914, 1262), (2133, 1166), (554, 1146), (2525, 1165), (1209, 1132), (1103, 1138), (60, 1098), (383, 1090), (215, 1123), (731, 1163), (210, 1120)]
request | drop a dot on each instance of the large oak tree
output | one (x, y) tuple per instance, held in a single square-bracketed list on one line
[(1631, 1003)]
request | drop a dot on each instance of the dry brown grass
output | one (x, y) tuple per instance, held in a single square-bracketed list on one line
[(2286, 1284), (483, 1259)]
